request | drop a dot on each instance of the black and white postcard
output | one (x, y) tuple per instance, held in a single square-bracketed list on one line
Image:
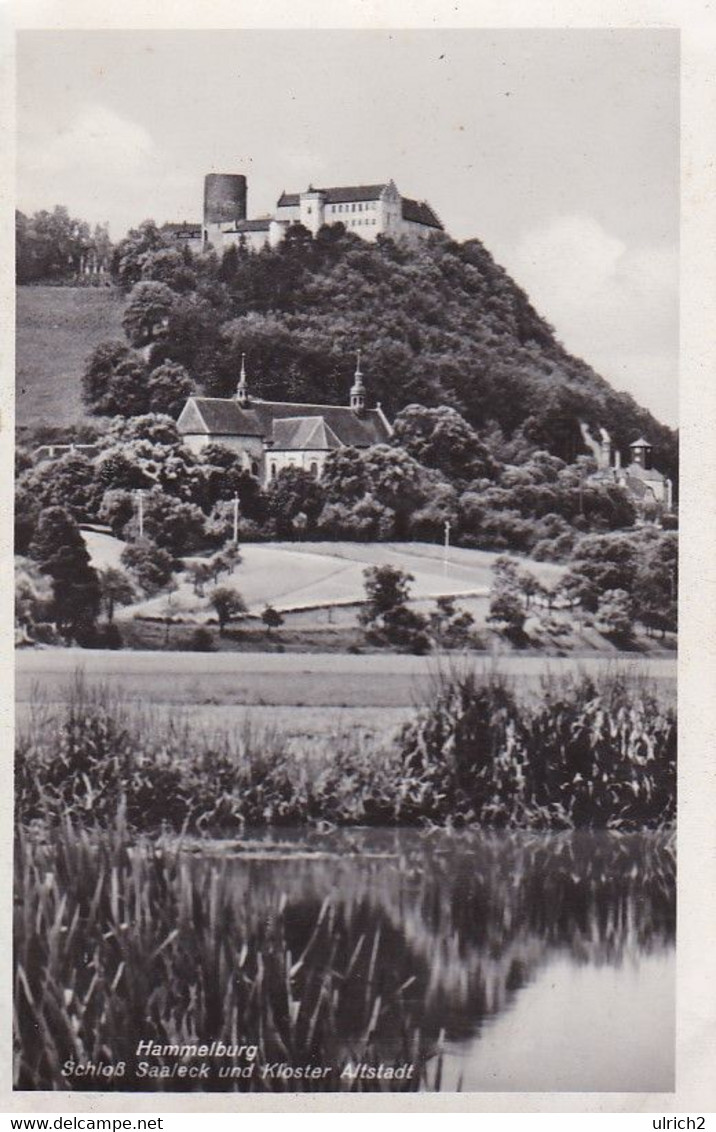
[(349, 758)]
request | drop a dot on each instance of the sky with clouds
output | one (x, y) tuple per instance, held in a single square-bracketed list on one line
[(559, 149)]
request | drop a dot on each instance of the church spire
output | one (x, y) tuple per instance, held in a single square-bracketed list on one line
[(358, 388), (242, 389)]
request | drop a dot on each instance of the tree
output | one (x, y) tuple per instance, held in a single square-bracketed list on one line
[(33, 598), (50, 246), (147, 452), (442, 439), (146, 316), (200, 574), (507, 601), (507, 608), (294, 493), (152, 566), (615, 615), (60, 552), (226, 477), (656, 584), (601, 563), (170, 267), (271, 618), (115, 381), (115, 589), (67, 481), (386, 616), (228, 604), (451, 627), (132, 252), (168, 388), (171, 523), (376, 492)]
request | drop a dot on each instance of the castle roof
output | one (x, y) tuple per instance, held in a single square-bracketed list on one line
[(260, 225), (420, 213), (182, 228), (285, 424), (336, 194)]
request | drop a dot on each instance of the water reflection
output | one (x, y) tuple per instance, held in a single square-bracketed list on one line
[(487, 936)]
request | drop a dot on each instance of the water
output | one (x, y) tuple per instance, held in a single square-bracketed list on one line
[(530, 962)]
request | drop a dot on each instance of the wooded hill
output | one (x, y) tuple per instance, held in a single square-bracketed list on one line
[(440, 324)]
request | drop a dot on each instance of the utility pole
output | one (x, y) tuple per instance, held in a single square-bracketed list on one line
[(236, 519), (446, 550), (140, 517)]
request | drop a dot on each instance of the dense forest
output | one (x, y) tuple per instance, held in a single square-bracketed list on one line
[(440, 324)]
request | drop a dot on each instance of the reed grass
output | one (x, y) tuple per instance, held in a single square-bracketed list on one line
[(585, 752), (120, 940)]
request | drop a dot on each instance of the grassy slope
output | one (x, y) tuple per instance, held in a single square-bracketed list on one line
[(57, 327)]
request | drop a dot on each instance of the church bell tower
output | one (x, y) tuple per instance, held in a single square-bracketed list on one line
[(358, 389), (242, 389)]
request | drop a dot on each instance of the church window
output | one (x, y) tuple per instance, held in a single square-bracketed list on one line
[(273, 471), (254, 468), (314, 470)]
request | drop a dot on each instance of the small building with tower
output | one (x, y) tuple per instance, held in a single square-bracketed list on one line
[(649, 489)]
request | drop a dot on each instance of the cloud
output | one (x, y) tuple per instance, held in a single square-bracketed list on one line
[(614, 305), (97, 139)]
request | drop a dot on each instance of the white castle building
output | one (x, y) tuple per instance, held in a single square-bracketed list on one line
[(367, 210)]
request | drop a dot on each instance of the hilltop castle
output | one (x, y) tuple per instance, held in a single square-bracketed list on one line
[(367, 210)]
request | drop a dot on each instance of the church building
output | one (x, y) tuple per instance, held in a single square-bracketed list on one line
[(272, 435)]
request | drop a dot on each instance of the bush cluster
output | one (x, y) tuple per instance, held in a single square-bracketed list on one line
[(582, 754)]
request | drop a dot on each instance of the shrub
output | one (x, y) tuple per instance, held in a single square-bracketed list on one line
[(598, 754), (615, 615), (151, 565), (386, 615), (228, 605), (583, 753), (201, 640)]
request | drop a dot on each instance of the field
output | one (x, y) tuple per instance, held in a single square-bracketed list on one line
[(304, 696), (321, 584), (57, 327), (319, 588), (293, 576)]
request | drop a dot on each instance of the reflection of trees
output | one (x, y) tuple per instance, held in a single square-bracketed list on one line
[(460, 923)]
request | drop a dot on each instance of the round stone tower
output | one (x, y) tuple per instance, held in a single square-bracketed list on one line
[(224, 198)]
